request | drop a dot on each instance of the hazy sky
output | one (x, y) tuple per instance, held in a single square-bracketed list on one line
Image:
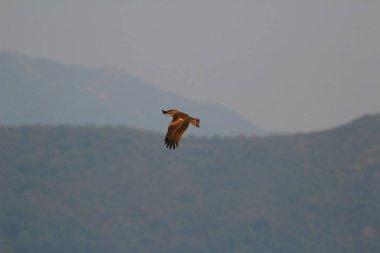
[(288, 65)]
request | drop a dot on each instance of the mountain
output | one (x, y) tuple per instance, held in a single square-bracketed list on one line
[(39, 91), (117, 189)]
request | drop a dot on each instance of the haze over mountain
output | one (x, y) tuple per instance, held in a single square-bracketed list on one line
[(40, 91), (289, 65), (117, 190)]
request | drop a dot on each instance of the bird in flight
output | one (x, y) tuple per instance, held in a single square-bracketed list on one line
[(177, 127)]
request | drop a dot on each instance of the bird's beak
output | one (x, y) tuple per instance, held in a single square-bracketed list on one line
[(164, 112)]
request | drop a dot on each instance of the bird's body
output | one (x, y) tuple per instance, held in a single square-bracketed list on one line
[(177, 127)]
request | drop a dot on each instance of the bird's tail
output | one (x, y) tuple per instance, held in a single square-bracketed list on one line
[(194, 121)]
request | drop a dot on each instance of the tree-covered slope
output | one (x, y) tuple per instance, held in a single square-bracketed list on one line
[(116, 189)]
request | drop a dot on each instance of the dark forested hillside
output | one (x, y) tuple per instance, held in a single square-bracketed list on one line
[(116, 189)]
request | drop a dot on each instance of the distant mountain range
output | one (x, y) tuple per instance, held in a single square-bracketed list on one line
[(40, 91), (117, 190)]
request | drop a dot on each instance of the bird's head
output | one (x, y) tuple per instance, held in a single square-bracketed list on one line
[(168, 113)]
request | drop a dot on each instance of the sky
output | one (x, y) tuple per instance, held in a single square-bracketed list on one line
[(284, 65)]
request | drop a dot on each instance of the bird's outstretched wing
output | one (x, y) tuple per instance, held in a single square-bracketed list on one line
[(175, 131)]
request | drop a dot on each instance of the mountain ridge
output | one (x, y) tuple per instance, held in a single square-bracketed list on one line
[(36, 90)]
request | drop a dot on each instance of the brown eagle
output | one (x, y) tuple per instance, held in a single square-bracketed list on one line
[(177, 127)]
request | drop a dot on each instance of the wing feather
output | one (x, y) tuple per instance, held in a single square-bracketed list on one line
[(175, 131)]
